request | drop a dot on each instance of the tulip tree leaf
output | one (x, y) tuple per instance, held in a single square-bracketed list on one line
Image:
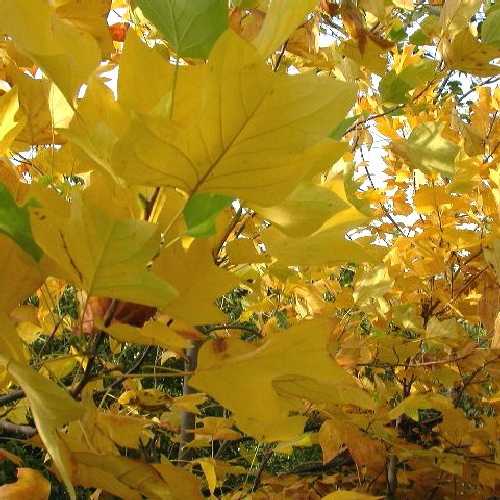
[(200, 213), (225, 147), (15, 223), (191, 27), (105, 256), (490, 32)]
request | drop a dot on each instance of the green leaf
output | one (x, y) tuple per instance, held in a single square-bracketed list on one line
[(191, 27), (15, 223), (394, 87), (490, 32), (352, 187), (420, 38), (200, 213), (343, 127), (397, 33)]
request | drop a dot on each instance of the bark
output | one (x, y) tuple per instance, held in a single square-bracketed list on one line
[(188, 419), (11, 397), (392, 477), (9, 429)]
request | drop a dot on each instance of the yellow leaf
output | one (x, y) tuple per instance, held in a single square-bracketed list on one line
[(123, 430), (415, 402), (190, 402), (246, 115), (455, 14), (152, 333), (280, 22), (45, 109), (30, 484), (198, 280), (349, 495), (431, 199), (217, 428), (305, 441), (465, 53), (65, 54), (102, 432), (329, 440), (208, 466), (345, 393), (20, 275), (447, 332), (132, 479), (50, 405), (12, 346), (243, 251), (495, 341), (91, 17), (105, 256), (12, 120), (252, 371), (148, 398), (138, 64), (33, 101), (59, 367), (373, 57), (371, 284), (99, 123), (366, 451)]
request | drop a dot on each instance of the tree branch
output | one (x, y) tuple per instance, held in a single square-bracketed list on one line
[(17, 431), (12, 397)]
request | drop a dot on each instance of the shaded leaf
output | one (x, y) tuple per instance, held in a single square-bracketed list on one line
[(190, 27), (15, 223), (200, 213)]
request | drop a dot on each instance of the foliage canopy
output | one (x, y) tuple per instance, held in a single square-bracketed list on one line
[(249, 249)]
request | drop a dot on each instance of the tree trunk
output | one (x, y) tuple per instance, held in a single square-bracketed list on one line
[(188, 418)]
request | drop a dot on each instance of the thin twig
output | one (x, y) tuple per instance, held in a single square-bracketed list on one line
[(493, 79), (280, 57)]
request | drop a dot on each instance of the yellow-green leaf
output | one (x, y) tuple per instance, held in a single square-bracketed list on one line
[(105, 256), (50, 405), (428, 150)]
